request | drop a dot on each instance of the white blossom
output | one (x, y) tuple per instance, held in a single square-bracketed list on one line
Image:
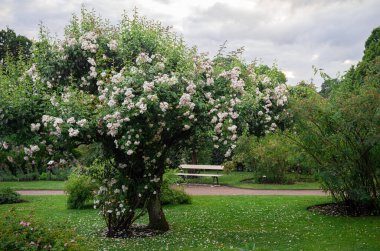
[(112, 45), (73, 132), (82, 122), (35, 127)]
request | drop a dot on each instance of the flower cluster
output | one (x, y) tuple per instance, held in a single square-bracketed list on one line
[(88, 41), (272, 99)]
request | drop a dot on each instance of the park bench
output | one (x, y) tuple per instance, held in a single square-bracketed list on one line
[(197, 171)]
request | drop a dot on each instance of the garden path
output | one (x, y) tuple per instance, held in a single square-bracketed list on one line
[(192, 189)]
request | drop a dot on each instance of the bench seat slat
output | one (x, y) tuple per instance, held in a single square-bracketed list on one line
[(202, 167), (200, 174)]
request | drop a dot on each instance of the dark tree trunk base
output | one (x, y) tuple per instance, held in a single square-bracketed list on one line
[(157, 220)]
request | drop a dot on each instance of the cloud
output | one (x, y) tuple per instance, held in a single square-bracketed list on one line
[(295, 34)]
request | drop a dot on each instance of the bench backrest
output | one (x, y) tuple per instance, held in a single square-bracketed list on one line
[(202, 167)]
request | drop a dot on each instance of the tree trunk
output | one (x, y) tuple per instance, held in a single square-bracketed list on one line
[(194, 157), (157, 220)]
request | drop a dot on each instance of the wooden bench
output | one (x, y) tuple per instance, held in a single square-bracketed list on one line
[(199, 168)]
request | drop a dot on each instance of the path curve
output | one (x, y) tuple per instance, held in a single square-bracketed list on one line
[(206, 190)]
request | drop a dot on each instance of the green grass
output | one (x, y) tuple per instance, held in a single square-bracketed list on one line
[(235, 179), (33, 185), (224, 223)]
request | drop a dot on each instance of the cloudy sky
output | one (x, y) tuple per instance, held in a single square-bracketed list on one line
[(294, 34)]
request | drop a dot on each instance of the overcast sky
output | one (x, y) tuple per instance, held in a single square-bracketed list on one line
[(294, 34)]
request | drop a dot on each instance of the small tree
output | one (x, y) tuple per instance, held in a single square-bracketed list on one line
[(141, 93)]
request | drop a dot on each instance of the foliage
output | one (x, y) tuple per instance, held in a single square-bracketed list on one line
[(342, 135), (263, 106), (23, 153), (13, 45), (327, 86), (172, 195), (261, 110), (229, 166), (366, 72), (28, 234), (271, 157), (9, 196), (243, 152), (80, 190)]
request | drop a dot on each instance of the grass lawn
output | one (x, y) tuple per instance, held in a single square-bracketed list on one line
[(33, 185), (232, 179), (223, 223), (235, 179)]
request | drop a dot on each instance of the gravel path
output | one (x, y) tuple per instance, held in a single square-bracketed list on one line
[(224, 190), (41, 192), (206, 190)]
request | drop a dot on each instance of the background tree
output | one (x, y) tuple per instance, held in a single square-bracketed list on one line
[(13, 44)]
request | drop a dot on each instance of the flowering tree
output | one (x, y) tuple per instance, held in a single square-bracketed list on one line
[(261, 110), (141, 93), (264, 105)]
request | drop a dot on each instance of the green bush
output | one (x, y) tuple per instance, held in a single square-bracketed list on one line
[(60, 174), (174, 196), (26, 234), (6, 175), (229, 166), (272, 158), (170, 195), (342, 135), (80, 190), (9, 196), (44, 176)]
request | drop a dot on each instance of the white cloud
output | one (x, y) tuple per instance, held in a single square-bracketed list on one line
[(289, 74), (293, 33), (314, 57), (350, 62)]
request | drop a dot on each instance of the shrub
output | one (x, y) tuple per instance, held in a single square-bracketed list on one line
[(44, 176), (171, 195), (229, 166), (60, 174), (267, 156), (26, 234), (174, 196), (342, 135), (9, 196), (80, 190), (6, 175)]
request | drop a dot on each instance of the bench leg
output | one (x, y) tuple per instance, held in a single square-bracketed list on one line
[(215, 178)]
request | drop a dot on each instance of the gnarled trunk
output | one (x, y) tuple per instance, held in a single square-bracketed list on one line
[(157, 220)]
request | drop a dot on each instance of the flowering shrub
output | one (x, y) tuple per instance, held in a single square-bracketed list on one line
[(263, 109), (23, 152), (141, 93)]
